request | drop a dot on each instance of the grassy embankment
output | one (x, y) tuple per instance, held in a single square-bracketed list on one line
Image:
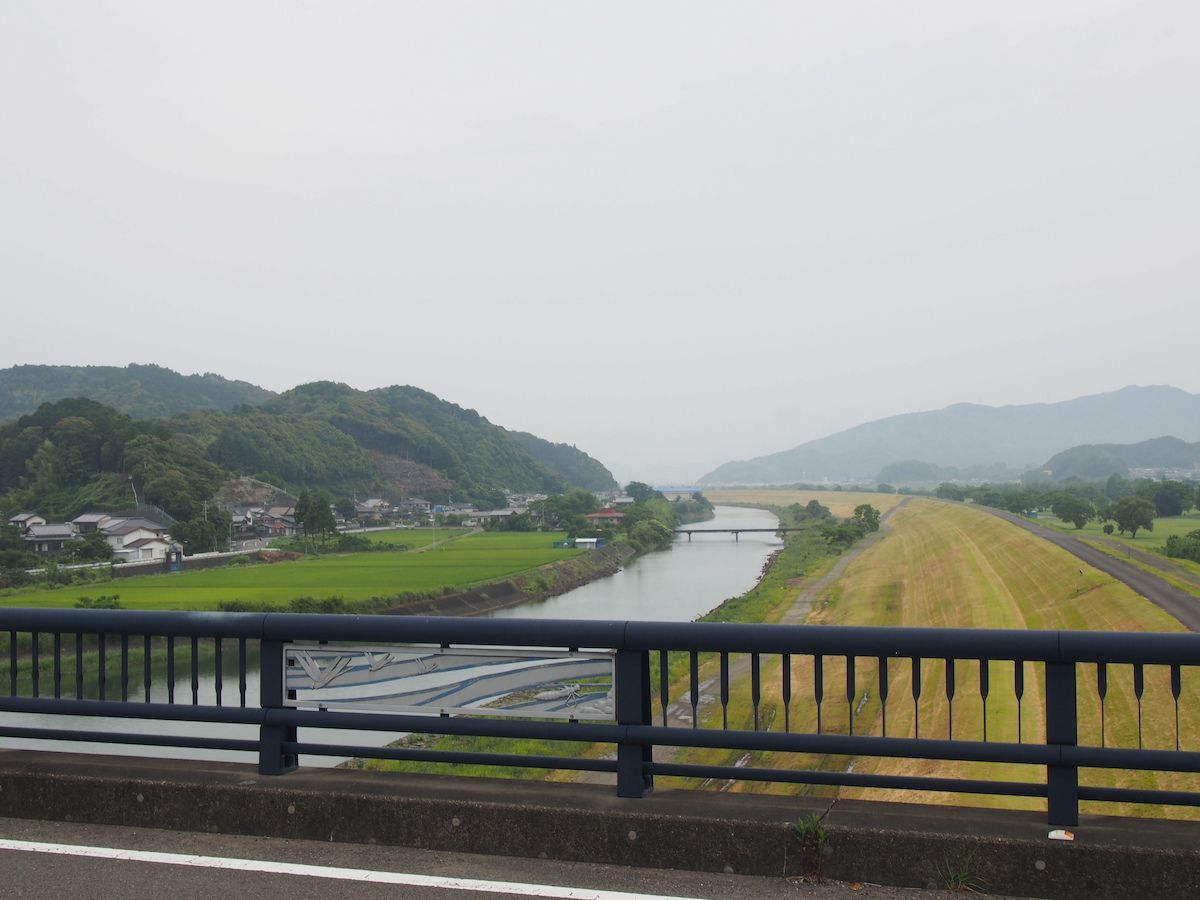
[(948, 566), (1182, 573), (458, 561)]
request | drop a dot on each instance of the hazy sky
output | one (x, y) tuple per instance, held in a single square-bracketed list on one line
[(673, 234)]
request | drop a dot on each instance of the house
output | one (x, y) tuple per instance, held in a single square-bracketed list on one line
[(605, 517), (25, 520), (373, 509), (143, 549), (49, 539), (135, 539), (90, 522), (413, 507), (278, 521)]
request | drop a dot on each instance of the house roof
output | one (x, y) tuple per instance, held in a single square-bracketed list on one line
[(24, 517), (88, 518), (605, 514), (126, 526), (52, 532)]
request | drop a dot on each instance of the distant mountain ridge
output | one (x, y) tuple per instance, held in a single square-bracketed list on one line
[(141, 391), (965, 435)]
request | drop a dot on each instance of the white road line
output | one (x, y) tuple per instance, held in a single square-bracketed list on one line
[(365, 875)]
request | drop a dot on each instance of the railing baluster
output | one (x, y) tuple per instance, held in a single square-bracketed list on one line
[(950, 688), (724, 690), (78, 666), (1019, 690), (694, 672), (102, 666), (755, 686), (1176, 690), (915, 668), (883, 691), (1139, 686), (217, 662), (850, 690), (786, 675), (195, 670), (242, 672), (124, 668), (57, 665), (170, 668), (1102, 690), (35, 670), (663, 683), (983, 691), (819, 685), (1062, 730), (12, 663), (147, 669)]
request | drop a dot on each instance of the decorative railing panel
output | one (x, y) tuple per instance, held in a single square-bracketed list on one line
[(784, 701)]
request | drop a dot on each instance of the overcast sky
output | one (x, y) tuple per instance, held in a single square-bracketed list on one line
[(673, 234)]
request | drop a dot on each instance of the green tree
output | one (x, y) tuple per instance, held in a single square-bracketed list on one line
[(1071, 508), (641, 492), (319, 518), (1132, 513), (345, 508), (866, 516)]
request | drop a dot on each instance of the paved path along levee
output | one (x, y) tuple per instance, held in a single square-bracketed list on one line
[(1180, 604)]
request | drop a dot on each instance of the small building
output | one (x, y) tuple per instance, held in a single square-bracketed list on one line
[(143, 549), (605, 517), (25, 520), (49, 539), (90, 522), (373, 509), (590, 543)]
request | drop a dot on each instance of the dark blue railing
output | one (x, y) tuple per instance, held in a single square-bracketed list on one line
[(143, 648)]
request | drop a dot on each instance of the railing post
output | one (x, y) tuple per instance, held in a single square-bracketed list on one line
[(633, 708), (1062, 730), (272, 760)]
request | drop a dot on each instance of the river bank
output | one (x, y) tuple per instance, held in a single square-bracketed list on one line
[(551, 580)]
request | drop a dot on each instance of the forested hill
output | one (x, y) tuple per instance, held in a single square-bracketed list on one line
[(144, 392), (966, 435), (76, 454), (1094, 461), (579, 469)]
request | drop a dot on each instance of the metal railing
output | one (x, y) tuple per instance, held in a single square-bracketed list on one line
[(1043, 687)]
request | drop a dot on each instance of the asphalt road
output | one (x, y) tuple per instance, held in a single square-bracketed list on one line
[(1172, 600), (25, 874)]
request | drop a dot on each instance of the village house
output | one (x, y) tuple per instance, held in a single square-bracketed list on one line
[(136, 539), (89, 522), (278, 521), (49, 539), (374, 509), (25, 520), (605, 517)]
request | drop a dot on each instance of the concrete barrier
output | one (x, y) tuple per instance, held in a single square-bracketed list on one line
[(1001, 852)]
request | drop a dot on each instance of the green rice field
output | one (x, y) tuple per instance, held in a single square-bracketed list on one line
[(461, 562)]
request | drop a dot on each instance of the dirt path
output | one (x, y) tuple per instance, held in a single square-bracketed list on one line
[(804, 601)]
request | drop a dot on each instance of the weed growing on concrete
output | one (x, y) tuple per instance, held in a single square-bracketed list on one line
[(814, 841), (960, 875)]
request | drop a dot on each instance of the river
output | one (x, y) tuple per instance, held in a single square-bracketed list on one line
[(676, 585)]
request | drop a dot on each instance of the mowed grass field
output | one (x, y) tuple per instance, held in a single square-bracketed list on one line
[(840, 503), (951, 566), (458, 563), (1163, 528)]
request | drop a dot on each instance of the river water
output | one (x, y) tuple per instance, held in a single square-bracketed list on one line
[(675, 585)]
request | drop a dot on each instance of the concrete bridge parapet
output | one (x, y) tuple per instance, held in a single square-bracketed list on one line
[(1004, 852)]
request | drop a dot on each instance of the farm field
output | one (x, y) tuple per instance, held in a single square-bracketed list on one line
[(459, 563), (951, 566), (840, 503)]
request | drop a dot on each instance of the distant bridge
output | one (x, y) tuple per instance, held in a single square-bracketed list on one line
[(736, 532)]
